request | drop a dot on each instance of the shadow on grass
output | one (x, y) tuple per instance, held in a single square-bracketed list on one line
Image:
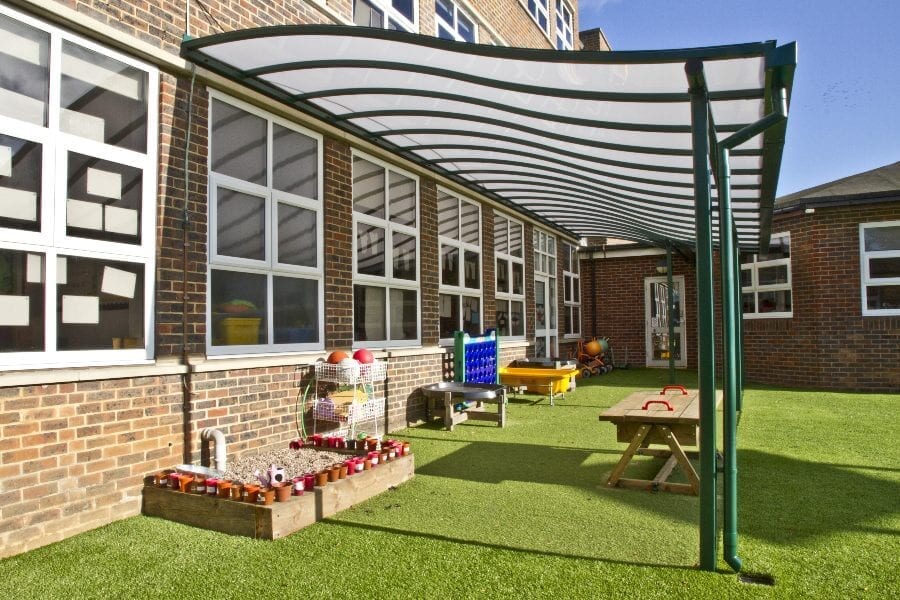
[(503, 547)]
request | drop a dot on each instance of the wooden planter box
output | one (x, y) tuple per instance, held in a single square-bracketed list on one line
[(279, 518)]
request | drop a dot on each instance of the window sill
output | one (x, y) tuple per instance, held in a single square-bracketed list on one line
[(92, 373)]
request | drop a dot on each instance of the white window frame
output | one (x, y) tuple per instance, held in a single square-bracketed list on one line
[(866, 279), (461, 291), (510, 297), (563, 41), (754, 287), (572, 280), (541, 7), (389, 12), (389, 282), (453, 28), (51, 240), (269, 267)]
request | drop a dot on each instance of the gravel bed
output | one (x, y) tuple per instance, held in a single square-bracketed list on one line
[(295, 462)]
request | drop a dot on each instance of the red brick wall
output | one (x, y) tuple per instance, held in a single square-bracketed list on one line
[(338, 245)]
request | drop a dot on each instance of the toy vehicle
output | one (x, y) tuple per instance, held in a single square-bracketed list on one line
[(591, 357)]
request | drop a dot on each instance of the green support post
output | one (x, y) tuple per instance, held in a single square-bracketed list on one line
[(738, 303), (670, 310), (706, 346)]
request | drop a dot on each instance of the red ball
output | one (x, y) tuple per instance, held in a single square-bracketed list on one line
[(337, 356), (363, 356)]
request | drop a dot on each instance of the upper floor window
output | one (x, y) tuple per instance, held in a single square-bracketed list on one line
[(510, 274), (540, 12), (385, 254), (564, 36), (879, 252), (452, 23), (766, 280), (571, 291), (459, 232), (77, 199), (401, 15), (265, 229)]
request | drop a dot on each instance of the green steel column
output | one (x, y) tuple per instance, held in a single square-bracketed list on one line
[(738, 304), (706, 346), (729, 362), (670, 308)]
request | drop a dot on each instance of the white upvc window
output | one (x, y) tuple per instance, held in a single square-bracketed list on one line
[(401, 15), (459, 235), (766, 280), (385, 254), (452, 23), (540, 12), (78, 153), (510, 277), (879, 254), (565, 39), (265, 291), (571, 291)]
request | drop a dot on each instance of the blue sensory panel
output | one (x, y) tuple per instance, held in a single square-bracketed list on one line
[(476, 359)]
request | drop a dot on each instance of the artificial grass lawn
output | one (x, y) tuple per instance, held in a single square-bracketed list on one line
[(521, 512)]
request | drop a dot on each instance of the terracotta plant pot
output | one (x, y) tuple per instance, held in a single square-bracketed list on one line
[(282, 492), (267, 495), (367, 464), (237, 491), (334, 473), (322, 478), (250, 492), (224, 489), (371, 444), (342, 471), (184, 482)]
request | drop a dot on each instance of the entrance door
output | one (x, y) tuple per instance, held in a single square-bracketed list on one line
[(544, 317), (656, 295)]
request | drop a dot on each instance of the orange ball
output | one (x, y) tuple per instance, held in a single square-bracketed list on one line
[(337, 356), (592, 347)]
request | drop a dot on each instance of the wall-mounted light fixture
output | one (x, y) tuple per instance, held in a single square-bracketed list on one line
[(661, 267)]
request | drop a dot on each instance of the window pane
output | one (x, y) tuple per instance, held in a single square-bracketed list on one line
[(404, 256), (465, 28), (518, 278), (403, 200), (502, 276), (404, 315), (567, 289), (295, 310), (239, 306), (370, 250), (567, 257), (882, 297), (21, 301), (295, 166), (472, 316), (748, 302), (104, 200), (502, 316), (448, 216), (551, 303), (444, 9), (567, 320), (444, 33), (404, 7), (100, 304), (20, 183), (368, 188), (369, 313), (367, 15), (517, 318), (296, 235), (746, 277), (779, 301), (576, 320), (24, 72), (472, 270), (449, 321), (880, 268), (470, 224), (449, 265), (772, 275), (515, 240), (501, 235), (238, 143), (103, 99), (882, 238), (241, 225)]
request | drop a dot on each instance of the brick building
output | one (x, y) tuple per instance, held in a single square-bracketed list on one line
[(188, 286), (821, 309)]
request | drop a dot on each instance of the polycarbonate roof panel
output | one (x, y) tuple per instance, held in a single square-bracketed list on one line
[(595, 143)]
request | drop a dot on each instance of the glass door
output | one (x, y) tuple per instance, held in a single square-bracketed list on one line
[(656, 296), (544, 317)]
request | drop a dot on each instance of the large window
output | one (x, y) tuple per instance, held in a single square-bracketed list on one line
[(571, 291), (402, 15), (386, 255), (510, 273), (452, 23), (459, 230), (265, 279), (879, 251), (564, 37), (540, 12), (77, 203), (766, 280)]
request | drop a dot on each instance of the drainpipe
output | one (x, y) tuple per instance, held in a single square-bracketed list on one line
[(670, 311), (186, 381), (218, 437), (730, 325)]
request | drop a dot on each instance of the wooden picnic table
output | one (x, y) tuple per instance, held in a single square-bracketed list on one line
[(670, 418)]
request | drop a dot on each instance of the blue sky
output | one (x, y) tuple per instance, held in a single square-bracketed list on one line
[(845, 110)]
